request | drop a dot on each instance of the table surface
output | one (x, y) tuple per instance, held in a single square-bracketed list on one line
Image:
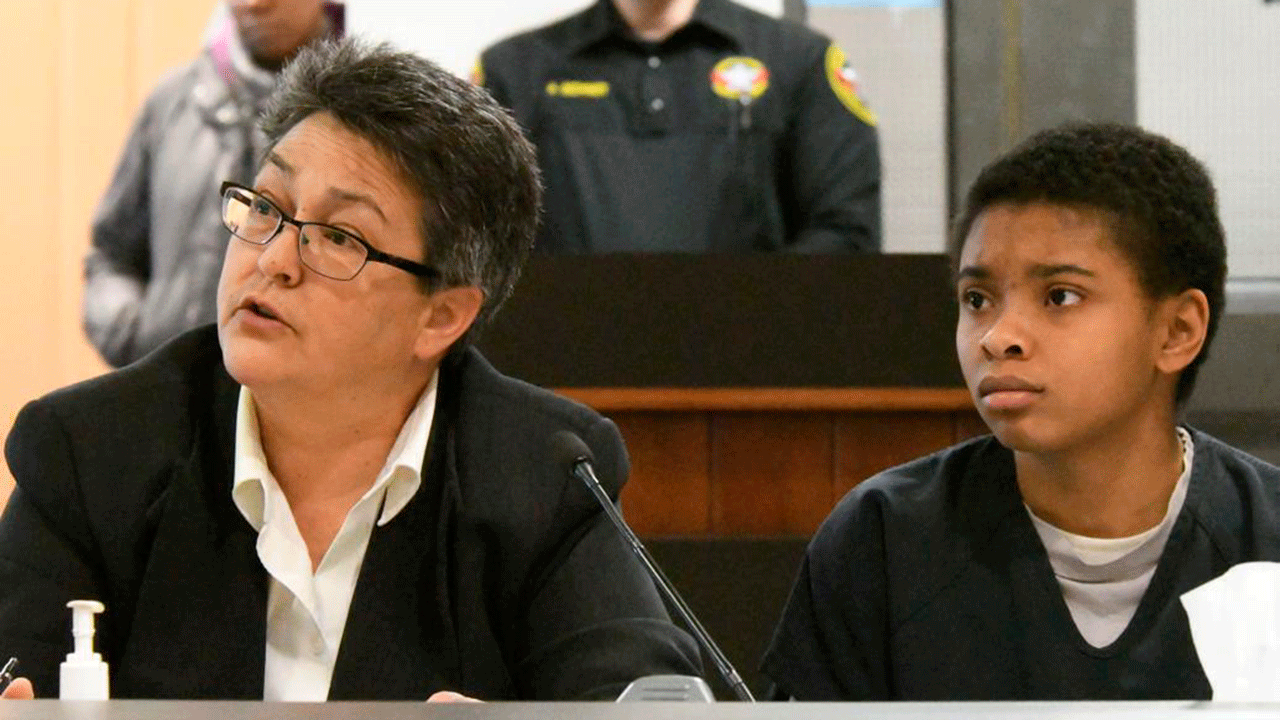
[(169, 710)]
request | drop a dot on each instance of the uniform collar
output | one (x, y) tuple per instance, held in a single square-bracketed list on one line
[(602, 21)]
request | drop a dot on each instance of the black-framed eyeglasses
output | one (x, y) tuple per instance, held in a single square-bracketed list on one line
[(329, 251)]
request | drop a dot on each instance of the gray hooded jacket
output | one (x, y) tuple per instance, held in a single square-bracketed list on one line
[(157, 235)]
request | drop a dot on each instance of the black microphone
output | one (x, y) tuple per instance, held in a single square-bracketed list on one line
[(572, 453)]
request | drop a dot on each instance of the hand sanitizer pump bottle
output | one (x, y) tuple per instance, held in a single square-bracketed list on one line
[(84, 674)]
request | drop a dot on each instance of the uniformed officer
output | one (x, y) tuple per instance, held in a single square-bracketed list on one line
[(692, 126)]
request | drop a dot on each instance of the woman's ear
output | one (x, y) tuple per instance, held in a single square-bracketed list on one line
[(1187, 327), (448, 315)]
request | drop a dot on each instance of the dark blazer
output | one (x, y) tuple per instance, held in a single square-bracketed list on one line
[(500, 579)]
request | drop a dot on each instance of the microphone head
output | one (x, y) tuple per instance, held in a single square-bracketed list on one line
[(568, 449)]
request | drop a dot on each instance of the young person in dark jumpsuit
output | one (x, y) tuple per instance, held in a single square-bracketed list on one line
[(1047, 561)]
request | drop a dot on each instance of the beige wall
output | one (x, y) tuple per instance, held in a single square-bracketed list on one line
[(77, 71)]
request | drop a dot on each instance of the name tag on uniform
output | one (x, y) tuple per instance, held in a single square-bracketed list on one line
[(594, 89)]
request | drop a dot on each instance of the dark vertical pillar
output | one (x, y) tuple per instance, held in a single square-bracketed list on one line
[(794, 10), (1019, 66)]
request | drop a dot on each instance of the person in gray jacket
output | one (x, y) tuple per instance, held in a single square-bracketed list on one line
[(157, 235)]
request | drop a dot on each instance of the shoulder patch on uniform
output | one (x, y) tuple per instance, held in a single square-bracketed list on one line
[(844, 82), (594, 89), (477, 73), (739, 77)]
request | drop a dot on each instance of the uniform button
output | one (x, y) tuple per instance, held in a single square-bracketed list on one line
[(317, 644), (654, 62), (656, 105)]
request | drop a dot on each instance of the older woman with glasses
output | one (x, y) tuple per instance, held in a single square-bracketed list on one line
[(330, 494)]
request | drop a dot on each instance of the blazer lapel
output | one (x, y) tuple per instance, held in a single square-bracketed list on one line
[(398, 642), (395, 645), (199, 626)]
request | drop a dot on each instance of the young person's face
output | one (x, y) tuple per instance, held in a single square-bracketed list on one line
[(1058, 342)]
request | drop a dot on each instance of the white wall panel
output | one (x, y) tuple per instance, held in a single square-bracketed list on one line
[(899, 51), (1208, 76)]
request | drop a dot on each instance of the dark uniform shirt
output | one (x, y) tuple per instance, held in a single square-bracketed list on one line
[(929, 582), (738, 132)]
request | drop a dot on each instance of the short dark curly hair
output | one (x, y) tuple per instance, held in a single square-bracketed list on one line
[(462, 154), (1159, 200)]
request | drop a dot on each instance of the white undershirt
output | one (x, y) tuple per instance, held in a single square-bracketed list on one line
[(307, 612), (1103, 579)]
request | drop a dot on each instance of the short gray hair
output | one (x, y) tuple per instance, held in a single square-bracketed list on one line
[(462, 153)]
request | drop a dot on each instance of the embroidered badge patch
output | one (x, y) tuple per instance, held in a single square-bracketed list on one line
[(844, 82), (594, 89), (739, 77)]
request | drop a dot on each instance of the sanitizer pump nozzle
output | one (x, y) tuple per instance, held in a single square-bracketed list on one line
[(84, 674)]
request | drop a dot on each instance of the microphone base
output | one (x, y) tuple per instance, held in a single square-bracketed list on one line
[(668, 688)]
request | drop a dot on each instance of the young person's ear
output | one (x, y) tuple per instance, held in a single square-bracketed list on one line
[(448, 315), (1187, 326)]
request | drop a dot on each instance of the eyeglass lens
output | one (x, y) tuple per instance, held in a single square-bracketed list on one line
[(326, 250)]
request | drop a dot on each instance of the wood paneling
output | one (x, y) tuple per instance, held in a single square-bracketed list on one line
[(30, 188), (969, 425), (755, 462), (96, 105), (725, 473), (867, 443), (750, 398), (770, 472), (79, 70), (669, 492)]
